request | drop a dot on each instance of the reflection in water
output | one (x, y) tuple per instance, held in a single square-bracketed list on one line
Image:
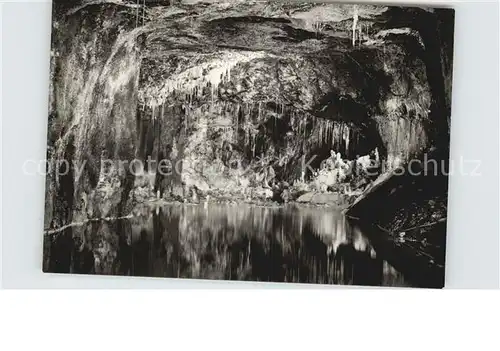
[(233, 242)]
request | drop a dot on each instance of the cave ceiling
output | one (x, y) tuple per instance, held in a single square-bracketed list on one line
[(299, 55)]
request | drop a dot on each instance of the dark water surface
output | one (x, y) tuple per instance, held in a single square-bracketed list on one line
[(232, 242)]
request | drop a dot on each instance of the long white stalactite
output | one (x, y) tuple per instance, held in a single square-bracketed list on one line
[(194, 80), (355, 19)]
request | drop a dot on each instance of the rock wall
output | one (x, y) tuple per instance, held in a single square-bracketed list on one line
[(95, 70), (239, 87)]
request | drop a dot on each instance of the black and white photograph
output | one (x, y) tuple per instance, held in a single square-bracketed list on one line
[(262, 141)]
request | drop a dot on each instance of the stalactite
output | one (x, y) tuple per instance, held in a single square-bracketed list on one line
[(137, 14), (186, 116), (304, 127), (237, 122), (193, 81), (411, 138), (143, 11), (337, 135), (354, 24), (253, 144), (404, 138), (346, 139)]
